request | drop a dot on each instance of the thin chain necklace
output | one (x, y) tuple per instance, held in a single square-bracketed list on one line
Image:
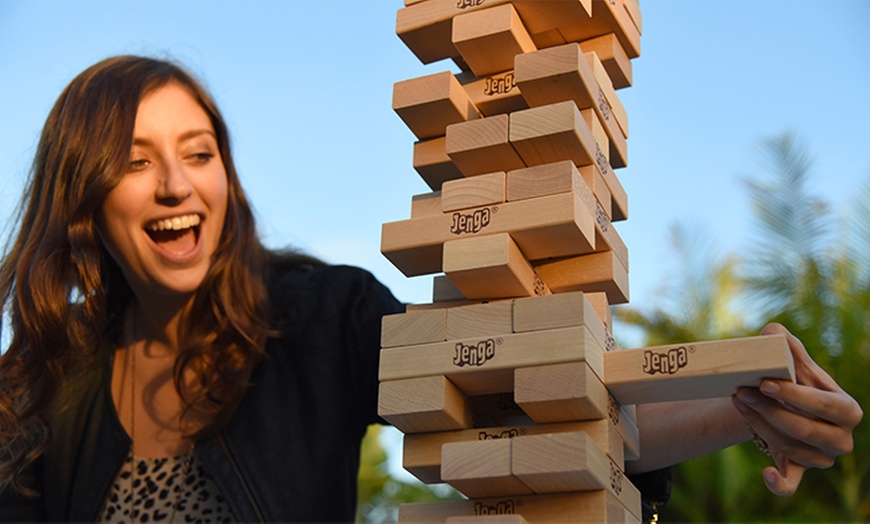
[(178, 487)]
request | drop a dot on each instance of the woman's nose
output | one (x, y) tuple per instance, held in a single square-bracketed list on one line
[(174, 184)]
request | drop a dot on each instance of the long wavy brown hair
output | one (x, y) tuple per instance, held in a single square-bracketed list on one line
[(65, 296)]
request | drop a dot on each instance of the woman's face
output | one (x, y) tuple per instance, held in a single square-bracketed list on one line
[(162, 223)]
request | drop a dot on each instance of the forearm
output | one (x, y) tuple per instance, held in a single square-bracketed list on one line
[(672, 432)]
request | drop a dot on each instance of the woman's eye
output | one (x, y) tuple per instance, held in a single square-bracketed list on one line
[(138, 165), (202, 158)]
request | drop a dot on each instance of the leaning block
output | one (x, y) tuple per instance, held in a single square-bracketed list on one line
[(696, 370), (480, 468), (423, 404), (430, 103), (489, 39), (560, 393), (490, 267)]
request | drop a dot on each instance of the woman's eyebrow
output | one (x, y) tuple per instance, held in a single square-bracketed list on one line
[(187, 135)]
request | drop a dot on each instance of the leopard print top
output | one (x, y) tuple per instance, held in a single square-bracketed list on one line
[(149, 495)]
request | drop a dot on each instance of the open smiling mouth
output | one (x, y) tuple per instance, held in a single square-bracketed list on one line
[(178, 235)]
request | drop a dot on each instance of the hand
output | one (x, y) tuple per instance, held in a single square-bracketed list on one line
[(806, 424)]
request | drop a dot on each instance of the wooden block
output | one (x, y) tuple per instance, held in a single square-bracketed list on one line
[(613, 56), (588, 273), (477, 191), (432, 163), (607, 17), (590, 506), (426, 204), (563, 462), (419, 327), (426, 27), (633, 8), (490, 267), (564, 392), (593, 178), (609, 102), (482, 366), (421, 452), (551, 226), (549, 38), (497, 410), (423, 404), (556, 74), (542, 135), (480, 468), (601, 305), (494, 94), (430, 103), (624, 418), (557, 311), (482, 146), (487, 519), (480, 320), (489, 39), (557, 462), (696, 370)]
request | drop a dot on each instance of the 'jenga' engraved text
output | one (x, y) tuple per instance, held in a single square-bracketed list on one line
[(602, 219), (603, 105), (504, 507), (462, 4), (601, 160), (665, 363), (499, 85), (615, 479), (473, 354), (507, 433), (471, 223), (613, 410)]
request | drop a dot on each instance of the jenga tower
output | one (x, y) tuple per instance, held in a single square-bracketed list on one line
[(507, 385)]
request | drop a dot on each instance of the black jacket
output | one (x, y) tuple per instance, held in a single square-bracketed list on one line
[(290, 452)]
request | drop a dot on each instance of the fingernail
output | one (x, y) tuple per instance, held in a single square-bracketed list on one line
[(741, 407), (745, 396), (769, 387), (769, 478)]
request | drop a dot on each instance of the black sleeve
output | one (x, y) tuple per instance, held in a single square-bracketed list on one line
[(655, 490)]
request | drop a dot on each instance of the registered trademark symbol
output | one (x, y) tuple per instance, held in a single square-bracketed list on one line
[(499, 340), (692, 349), (523, 431), (495, 209)]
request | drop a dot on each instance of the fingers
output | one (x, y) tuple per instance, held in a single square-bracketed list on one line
[(807, 372), (836, 407), (785, 480)]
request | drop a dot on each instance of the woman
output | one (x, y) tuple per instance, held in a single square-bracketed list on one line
[(164, 364)]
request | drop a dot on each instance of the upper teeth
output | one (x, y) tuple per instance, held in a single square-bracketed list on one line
[(175, 223)]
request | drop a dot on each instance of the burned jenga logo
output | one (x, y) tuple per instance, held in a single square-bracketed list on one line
[(470, 223), (540, 287), (474, 354), (601, 161), (507, 433), (504, 507), (610, 343), (462, 4), (499, 84), (613, 410), (615, 479), (603, 105), (602, 219), (666, 363)]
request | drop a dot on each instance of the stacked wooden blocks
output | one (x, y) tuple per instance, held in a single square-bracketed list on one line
[(508, 386)]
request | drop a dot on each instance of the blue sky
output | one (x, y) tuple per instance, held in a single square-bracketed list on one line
[(306, 87)]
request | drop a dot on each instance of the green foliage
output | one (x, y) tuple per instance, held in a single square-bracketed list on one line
[(811, 277), (378, 493)]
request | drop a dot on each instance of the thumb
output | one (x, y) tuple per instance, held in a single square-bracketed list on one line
[(785, 479)]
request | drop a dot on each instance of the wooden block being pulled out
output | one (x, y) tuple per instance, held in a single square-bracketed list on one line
[(490, 267), (696, 370), (480, 366), (430, 103), (489, 39), (423, 404), (589, 506)]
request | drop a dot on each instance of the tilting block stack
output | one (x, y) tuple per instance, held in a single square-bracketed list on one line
[(508, 386)]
